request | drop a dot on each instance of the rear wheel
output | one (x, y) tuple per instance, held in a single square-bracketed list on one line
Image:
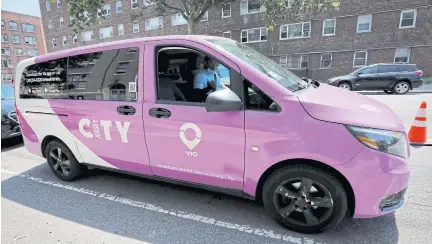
[(401, 87), (305, 199), (62, 161), (345, 85)]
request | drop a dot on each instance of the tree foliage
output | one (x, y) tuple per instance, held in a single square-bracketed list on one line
[(89, 12)]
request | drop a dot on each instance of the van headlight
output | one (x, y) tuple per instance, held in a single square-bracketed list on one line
[(390, 142)]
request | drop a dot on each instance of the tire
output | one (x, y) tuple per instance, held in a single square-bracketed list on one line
[(332, 215), (401, 87), (74, 169), (388, 92), (345, 85)]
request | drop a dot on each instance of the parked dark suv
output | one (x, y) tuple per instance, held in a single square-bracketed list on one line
[(391, 78), (9, 122)]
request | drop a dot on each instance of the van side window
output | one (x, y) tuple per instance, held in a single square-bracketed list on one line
[(45, 80), (185, 75), (108, 75), (256, 99)]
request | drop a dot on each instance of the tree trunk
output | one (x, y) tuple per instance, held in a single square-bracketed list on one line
[(191, 27)]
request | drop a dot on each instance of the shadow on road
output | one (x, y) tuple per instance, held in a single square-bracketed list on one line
[(11, 144), (136, 223)]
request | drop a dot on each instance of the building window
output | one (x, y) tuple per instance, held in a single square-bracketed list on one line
[(2, 24), (75, 39), (135, 27), (251, 7), (54, 42), (134, 4), (48, 5), (226, 34), (178, 19), (154, 23), (19, 52), (120, 29), (254, 35), (87, 36), (61, 21), (6, 64), (105, 11), (13, 25), (30, 40), (119, 8), (32, 52), (329, 27), (7, 77), (50, 24), (294, 61), (64, 41), (16, 39), (226, 10), (205, 17), (326, 60), (364, 23), (293, 31), (408, 19), (59, 4), (5, 51), (360, 58), (149, 2), (28, 28), (402, 55), (106, 32), (4, 38)]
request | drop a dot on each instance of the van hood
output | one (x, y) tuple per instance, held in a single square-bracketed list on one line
[(337, 105)]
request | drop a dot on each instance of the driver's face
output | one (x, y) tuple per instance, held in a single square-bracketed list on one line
[(212, 64)]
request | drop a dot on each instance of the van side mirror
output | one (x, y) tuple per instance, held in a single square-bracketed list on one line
[(222, 101)]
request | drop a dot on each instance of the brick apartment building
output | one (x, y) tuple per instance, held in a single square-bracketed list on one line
[(318, 46), (22, 37)]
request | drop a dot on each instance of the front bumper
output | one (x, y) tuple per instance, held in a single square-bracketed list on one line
[(379, 182)]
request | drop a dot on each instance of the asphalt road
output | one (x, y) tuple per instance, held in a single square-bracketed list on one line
[(112, 208)]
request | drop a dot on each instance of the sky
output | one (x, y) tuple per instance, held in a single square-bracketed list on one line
[(29, 7)]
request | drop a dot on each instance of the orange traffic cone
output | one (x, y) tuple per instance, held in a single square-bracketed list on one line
[(418, 132)]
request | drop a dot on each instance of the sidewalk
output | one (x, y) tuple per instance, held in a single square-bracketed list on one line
[(425, 88)]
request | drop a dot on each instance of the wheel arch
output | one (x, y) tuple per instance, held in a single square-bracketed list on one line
[(47, 140), (348, 82), (301, 161)]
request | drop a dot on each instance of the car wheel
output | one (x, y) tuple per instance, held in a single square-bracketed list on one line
[(62, 161), (388, 92), (345, 85), (305, 199), (401, 87)]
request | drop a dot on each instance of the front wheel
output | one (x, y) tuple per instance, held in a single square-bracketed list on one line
[(345, 85), (305, 199)]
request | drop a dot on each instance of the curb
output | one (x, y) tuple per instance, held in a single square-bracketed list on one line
[(427, 143), (383, 93)]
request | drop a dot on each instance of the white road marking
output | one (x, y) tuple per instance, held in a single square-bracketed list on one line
[(180, 214)]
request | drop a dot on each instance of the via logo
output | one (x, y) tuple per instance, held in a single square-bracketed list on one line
[(191, 144)]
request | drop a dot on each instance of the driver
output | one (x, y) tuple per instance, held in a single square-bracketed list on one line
[(207, 79)]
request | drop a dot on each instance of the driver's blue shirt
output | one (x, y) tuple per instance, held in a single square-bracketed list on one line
[(203, 77)]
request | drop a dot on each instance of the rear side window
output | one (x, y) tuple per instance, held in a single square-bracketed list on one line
[(45, 80), (388, 68), (407, 68), (108, 75)]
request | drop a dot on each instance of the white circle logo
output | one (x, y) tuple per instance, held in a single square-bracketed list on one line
[(191, 144)]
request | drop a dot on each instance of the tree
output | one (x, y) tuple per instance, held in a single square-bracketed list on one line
[(88, 12)]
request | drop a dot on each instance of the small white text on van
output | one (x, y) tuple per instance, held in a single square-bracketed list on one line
[(85, 126)]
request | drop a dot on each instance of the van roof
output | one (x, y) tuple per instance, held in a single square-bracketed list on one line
[(72, 51)]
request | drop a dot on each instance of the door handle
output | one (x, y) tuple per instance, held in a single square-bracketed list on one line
[(160, 113), (126, 110)]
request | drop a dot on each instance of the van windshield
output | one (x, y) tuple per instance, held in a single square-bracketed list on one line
[(261, 63)]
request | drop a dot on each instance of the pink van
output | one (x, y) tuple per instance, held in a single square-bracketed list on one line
[(213, 113)]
